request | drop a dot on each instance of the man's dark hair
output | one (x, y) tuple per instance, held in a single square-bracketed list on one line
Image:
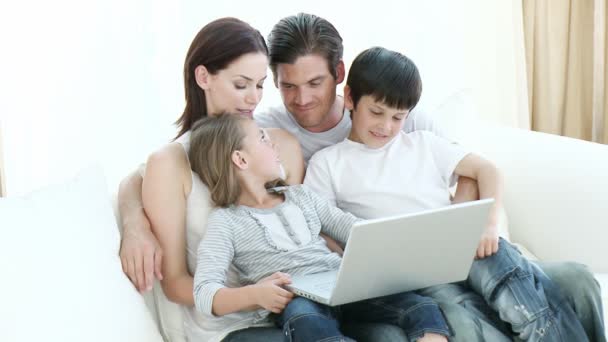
[(388, 76), (304, 34)]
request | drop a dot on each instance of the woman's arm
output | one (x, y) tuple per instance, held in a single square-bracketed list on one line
[(166, 185), (489, 180), (140, 252)]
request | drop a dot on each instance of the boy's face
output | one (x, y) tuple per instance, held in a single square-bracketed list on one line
[(374, 123), (308, 90)]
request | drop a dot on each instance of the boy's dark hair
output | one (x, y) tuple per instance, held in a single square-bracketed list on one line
[(388, 76), (304, 34)]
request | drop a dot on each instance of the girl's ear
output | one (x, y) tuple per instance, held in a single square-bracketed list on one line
[(202, 77), (348, 99), (239, 160)]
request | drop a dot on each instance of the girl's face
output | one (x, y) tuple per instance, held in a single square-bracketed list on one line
[(238, 88), (259, 152)]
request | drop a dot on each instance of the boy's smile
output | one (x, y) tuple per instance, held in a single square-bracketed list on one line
[(374, 123)]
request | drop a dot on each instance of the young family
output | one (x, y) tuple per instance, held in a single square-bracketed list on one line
[(368, 154)]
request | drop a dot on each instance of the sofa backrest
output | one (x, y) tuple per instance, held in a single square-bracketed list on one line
[(2, 176), (555, 189)]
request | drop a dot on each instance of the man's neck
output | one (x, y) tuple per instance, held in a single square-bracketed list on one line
[(336, 112)]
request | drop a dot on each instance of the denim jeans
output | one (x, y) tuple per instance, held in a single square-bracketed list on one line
[(582, 291), (524, 297), (469, 317), (305, 320)]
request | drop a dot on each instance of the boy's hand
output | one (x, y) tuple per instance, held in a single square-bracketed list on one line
[(270, 294), (488, 244)]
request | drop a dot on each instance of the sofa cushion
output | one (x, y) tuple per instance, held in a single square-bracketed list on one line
[(62, 278), (602, 278)]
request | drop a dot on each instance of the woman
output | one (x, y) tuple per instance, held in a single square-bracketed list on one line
[(225, 69)]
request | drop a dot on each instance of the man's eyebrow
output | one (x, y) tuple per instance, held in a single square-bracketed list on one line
[(318, 78)]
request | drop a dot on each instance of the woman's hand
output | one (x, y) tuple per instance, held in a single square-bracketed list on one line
[(140, 253), (270, 294)]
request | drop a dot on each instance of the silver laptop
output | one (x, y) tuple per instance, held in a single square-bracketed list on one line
[(401, 253)]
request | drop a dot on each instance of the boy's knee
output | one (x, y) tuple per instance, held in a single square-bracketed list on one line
[(495, 268)]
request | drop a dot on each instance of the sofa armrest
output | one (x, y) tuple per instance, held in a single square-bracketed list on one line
[(556, 189)]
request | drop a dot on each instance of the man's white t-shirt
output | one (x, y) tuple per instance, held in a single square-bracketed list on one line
[(279, 117), (409, 174)]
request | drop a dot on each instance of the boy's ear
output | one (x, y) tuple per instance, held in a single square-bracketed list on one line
[(340, 72), (348, 99), (239, 160), (202, 77)]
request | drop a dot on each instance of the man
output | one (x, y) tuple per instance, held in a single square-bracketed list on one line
[(306, 61)]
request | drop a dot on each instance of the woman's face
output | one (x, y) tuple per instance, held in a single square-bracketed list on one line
[(238, 87)]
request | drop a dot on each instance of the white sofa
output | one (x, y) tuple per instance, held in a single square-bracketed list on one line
[(555, 200), (556, 191)]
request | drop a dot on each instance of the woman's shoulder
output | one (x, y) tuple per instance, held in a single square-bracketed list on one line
[(170, 162), (173, 151)]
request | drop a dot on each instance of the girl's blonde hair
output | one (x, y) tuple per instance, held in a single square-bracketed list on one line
[(213, 139)]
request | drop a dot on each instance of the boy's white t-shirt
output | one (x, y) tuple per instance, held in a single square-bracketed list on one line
[(279, 117), (409, 174)]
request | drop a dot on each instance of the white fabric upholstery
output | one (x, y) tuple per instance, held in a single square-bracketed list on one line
[(61, 276), (2, 176)]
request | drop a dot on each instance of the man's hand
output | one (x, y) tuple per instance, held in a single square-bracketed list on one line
[(140, 253), (270, 294), (488, 244)]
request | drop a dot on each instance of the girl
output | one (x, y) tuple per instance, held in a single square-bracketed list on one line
[(268, 233)]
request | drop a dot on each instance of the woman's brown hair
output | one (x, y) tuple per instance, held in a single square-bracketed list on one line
[(215, 46)]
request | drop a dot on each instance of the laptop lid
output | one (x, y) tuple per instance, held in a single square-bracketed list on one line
[(408, 252)]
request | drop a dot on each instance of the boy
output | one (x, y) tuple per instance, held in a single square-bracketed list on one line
[(379, 170)]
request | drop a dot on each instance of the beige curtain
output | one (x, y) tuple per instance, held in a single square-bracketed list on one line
[(566, 55)]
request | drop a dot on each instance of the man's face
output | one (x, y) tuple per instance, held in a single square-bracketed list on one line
[(308, 89)]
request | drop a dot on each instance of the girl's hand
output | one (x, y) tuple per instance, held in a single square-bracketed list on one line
[(270, 294), (488, 244)]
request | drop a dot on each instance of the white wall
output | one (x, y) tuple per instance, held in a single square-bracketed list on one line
[(100, 81)]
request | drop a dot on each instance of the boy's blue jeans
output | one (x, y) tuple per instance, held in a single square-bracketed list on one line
[(524, 297), (307, 321)]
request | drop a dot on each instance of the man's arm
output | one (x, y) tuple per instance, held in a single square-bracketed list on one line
[(140, 253)]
